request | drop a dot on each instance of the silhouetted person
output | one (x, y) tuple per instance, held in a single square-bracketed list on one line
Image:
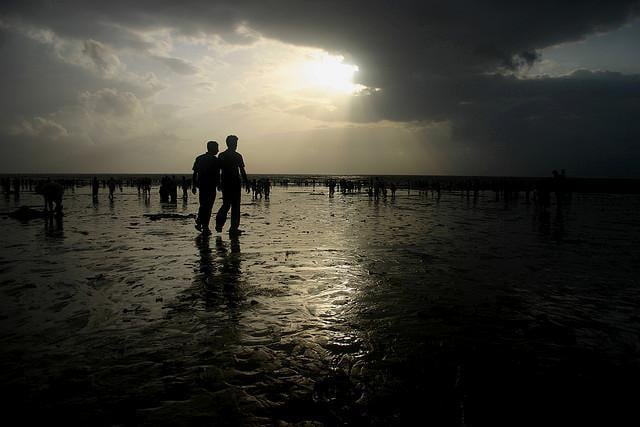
[(146, 187), (185, 188), (52, 193), (16, 187), (173, 189), (206, 177), (6, 186), (267, 188), (233, 174), (558, 184), (164, 189), (112, 188), (95, 186)]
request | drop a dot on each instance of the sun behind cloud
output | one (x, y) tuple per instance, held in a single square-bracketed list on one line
[(330, 73)]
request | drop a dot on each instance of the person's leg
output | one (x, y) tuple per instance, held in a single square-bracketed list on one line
[(201, 208), (59, 206), (221, 216), (207, 206), (235, 208)]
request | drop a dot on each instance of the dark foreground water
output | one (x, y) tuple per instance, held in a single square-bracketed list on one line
[(337, 311)]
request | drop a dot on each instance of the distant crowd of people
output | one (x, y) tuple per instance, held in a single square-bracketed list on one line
[(226, 173), (258, 187)]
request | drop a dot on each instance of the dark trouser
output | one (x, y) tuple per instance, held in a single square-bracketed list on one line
[(207, 197), (230, 199)]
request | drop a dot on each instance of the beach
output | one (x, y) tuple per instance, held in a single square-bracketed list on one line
[(327, 311)]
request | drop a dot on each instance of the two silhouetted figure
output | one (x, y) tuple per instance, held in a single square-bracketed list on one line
[(52, 193), (225, 172), (168, 189)]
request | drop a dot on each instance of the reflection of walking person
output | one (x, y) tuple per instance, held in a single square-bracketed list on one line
[(232, 166), (206, 175)]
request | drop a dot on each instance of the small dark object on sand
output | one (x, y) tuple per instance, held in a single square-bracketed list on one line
[(155, 217), (25, 213)]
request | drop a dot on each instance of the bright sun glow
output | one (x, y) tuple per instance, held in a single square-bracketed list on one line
[(330, 73)]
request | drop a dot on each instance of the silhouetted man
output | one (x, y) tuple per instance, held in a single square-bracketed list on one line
[(206, 176), (95, 186), (232, 166), (112, 187)]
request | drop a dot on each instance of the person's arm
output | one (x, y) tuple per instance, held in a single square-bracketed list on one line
[(194, 186), (244, 175), (242, 171), (194, 178)]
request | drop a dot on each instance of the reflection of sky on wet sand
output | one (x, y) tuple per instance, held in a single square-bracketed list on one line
[(330, 310)]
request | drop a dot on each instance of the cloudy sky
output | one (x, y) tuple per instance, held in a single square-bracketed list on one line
[(381, 87)]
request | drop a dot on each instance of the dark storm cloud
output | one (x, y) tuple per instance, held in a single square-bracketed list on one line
[(431, 60), (386, 37), (36, 82), (585, 121)]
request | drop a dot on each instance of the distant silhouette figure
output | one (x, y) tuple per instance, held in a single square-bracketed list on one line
[(558, 186), (185, 188), (332, 187), (146, 188), (267, 188), (6, 186), (112, 187), (95, 186), (173, 189), (163, 191), (233, 174), (167, 191), (52, 193), (206, 177), (16, 187)]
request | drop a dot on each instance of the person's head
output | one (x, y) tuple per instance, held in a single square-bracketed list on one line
[(232, 142), (212, 147)]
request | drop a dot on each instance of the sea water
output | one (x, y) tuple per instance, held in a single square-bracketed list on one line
[(326, 311)]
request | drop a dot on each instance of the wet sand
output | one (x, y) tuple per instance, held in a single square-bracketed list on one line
[(327, 311)]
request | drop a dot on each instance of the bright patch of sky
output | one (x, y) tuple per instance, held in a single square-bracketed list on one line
[(613, 51)]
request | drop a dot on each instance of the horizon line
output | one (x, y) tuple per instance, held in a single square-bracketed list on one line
[(315, 174)]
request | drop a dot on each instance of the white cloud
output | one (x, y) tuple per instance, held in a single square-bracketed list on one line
[(102, 58), (111, 102)]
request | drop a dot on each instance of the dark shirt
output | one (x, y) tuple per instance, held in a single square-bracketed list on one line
[(208, 168), (230, 161)]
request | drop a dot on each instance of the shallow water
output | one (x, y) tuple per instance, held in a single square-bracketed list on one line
[(328, 310)]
